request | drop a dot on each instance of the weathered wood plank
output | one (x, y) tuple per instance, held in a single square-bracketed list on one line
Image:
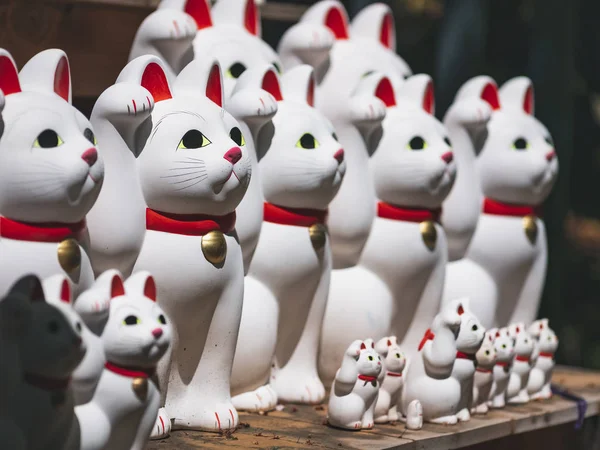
[(300, 426)]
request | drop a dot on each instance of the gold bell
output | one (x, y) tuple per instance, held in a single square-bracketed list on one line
[(318, 235), (69, 255), (214, 247), (428, 234), (140, 387), (531, 228)]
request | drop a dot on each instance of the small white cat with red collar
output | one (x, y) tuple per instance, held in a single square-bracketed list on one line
[(504, 345), (355, 388), (391, 379), (516, 391), (543, 363), (124, 407), (484, 376)]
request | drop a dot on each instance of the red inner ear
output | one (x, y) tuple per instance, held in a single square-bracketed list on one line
[(490, 95), (428, 99), (385, 92), (150, 289), (155, 80), (199, 10), (251, 17), (65, 292), (9, 78), (387, 28), (271, 85), (528, 101), (310, 93), (518, 330), (363, 346), (214, 90), (389, 343), (372, 344), (497, 334), (336, 22), (460, 311), (62, 78), (116, 287)]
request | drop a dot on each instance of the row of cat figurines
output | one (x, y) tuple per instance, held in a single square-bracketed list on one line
[(230, 193), (460, 369)]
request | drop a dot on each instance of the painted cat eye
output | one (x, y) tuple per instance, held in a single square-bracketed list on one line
[(78, 327), (48, 139), (307, 141), (235, 70), (236, 136), (447, 141), (503, 345), (89, 135), (549, 140), (397, 355), (487, 352), (474, 328), (277, 68), (417, 143), (131, 320), (334, 136), (366, 74), (162, 319), (193, 139), (370, 358), (520, 144)]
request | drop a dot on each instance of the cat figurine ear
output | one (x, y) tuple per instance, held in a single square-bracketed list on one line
[(199, 10), (15, 309), (482, 87), (57, 287), (419, 90), (299, 84), (517, 93), (142, 282), (9, 75), (203, 78), (149, 72), (368, 104), (332, 14), (48, 71), (376, 22), (238, 12)]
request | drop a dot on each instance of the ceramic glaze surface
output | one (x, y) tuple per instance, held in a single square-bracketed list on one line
[(516, 391), (412, 170), (484, 376), (355, 388), (51, 172), (391, 378), (504, 345), (546, 343), (126, 401)]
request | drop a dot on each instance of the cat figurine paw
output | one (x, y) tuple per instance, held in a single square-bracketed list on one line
[(483, 377), (355, 389), (546, 343), (516, 391), (394, 361)]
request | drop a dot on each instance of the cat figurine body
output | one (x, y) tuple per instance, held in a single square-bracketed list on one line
[(301, 172), (126, 401), (49, 352), (50, 173), (484, 376), (470, 337), (516, 391), (355, 388), (191, 172), (546, 343), (404, 290), (429, 380), (504, 345), (394, 361)]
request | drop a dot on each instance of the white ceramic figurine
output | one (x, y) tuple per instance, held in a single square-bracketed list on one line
[(386, 409), (504, 345), (516, 391), (484, 376), (540, 376)]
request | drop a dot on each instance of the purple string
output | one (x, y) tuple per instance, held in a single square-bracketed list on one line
[(581, 403)]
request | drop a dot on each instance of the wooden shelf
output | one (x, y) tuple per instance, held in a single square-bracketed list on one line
[(299, 426)]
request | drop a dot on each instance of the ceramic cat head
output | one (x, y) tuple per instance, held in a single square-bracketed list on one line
[(50, 169), (192, 154), (450, 315), (524, 342), (51, 345), (504, 345), (394, 358), (486, 355), (368, 361), (471, 333), (517, 163), (413, 164), (138, 332), (304, 165), (538, 326)]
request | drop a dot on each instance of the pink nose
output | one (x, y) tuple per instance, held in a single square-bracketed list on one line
[(157, 332), (90, 156), (550, 155), (339, 156), (448, 157), (233, 155)]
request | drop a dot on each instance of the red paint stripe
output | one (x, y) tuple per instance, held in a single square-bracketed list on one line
[(218, 420), (149, 103), (232, 419), (134, 107), (162, 423)]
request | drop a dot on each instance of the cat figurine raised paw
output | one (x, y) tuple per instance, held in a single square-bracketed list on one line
[(484, 376), (355, 388), (394, 361), (516, 391), (546, 343), (504, 345)]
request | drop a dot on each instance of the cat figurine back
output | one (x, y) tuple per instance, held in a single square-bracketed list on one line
[(136, 336), (355, 388), (546, 343), (386, 409), (50, 173), (516, 391), (484, 377), (505, 354)]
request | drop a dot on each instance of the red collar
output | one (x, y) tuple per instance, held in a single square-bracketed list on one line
[(40, 232), (394, 374), (188, 224), (506, 209), (393, 212), (428, 336), (129, 372), (522, 358), (461, 355), (45, 383), (546, 354), (367, 378), (483, 370), (300, 217), (502, 364)]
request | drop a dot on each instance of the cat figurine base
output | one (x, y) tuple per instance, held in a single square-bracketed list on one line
[(504, 345), (484, 376), (394, 361), (546, 343), (355, 388), (516, 391)]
